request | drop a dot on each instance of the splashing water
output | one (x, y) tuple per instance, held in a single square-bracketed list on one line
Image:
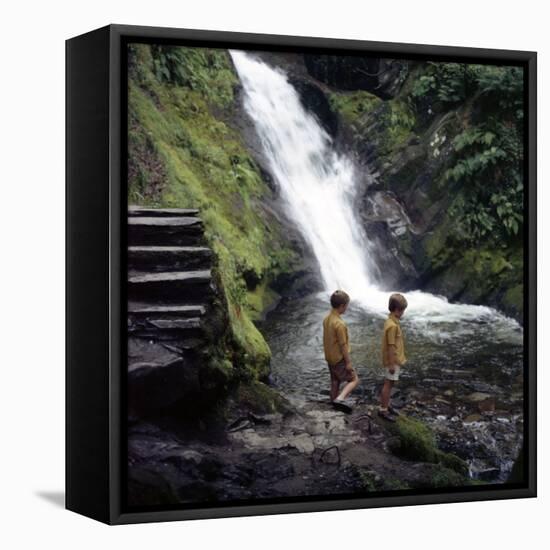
[(319, 189)]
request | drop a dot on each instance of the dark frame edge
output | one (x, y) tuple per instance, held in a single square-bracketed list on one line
[(531, 393), (319, 506), (86, 198), (276, 41), (115, 514)]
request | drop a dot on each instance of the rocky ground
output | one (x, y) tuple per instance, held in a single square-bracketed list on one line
[(308, 449)]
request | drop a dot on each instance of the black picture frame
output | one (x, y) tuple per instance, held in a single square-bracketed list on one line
[(96, 204)]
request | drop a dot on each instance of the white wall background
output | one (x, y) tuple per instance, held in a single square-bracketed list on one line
[(32, 272)]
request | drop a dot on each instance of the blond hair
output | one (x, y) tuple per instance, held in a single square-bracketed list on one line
[(397, 301)]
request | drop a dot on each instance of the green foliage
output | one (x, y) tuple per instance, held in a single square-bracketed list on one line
[(505, 84), (395, 119), (204, 70), (488, 158), (352, 105), (447, 82), (443, 477), (489, 166), (400, 120)]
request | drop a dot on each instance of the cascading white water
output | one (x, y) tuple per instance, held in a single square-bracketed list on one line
[(318, 186)]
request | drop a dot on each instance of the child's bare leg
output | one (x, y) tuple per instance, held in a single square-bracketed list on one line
[(348, 388), (385, 394), (334, 387)]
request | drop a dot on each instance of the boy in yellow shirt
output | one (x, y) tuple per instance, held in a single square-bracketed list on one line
[(337, 352), (393, 353)]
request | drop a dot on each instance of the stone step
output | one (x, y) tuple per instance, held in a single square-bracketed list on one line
[(159, 374), (192, 287), (187, 331), (169, 258), (137, 310), (165, 231), (160, 212)]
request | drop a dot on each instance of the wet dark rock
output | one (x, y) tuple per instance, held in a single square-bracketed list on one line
[(192, 286), (140, 211), (315, 101), (378, 76), (168, 258), (164, 231)]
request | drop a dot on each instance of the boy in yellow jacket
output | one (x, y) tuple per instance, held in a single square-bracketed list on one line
[(393, 353), (337, 352)]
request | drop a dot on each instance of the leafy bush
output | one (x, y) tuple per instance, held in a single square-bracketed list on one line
[(447, 82), (200, 69), (488, 154)]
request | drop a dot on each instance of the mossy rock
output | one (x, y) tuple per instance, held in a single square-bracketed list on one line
[(415, 441), (440, 477), (259, 398), (513, 300), (454, 463), (353, 105)]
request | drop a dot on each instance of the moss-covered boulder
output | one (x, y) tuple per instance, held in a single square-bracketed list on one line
[(415, 441)]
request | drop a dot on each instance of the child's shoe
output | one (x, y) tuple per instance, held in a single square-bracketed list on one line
[(393, 411), (340, 405), (385, 414)]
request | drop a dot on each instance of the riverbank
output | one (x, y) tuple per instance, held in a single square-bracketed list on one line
[(304, 448)]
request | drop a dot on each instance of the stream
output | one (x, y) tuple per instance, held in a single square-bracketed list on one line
[(464, 380)]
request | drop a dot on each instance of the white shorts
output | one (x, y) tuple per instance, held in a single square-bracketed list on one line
[(395, 375)]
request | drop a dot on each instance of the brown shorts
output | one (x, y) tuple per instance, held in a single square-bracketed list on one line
[(340, 373)]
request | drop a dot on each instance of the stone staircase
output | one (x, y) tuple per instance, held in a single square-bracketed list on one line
[(170, 293)]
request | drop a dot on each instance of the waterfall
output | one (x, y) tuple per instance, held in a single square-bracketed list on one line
[(318, 188)]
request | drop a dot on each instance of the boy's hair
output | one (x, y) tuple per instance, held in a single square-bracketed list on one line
[(338, 298), (397, 301)]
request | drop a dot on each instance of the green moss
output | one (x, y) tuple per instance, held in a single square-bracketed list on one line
[(415, 441), (260, 398), (399, 120), (352, 105), (372, 482), (368, 480), (205, 70), (260, 299), (394, 119), (453, 462), (442, 477), (394, 484), (513, 298)]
